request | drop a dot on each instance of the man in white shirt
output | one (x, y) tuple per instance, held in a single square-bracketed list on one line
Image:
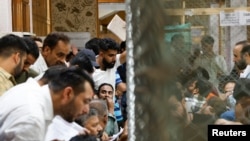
[(56, 47), (245, 52), (240, 63), (108, 60), (27, 109)]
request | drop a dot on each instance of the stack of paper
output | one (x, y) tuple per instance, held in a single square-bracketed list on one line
[(118, 27)]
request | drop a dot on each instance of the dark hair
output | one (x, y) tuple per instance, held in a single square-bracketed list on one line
[(82, 61), (35, 38), (11, 43), (103, 84), (202, 72), (81, 120), (207, 39), (109, 44), (51, 73), (83, 138), (122, 46), (244, 42), (73, 77), (224, 80), (52, 39), (241, 88), (204, 86), (245, 49), (94, 44), (189, 76), (33, 48)]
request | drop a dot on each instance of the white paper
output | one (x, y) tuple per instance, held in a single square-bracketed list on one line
[(244, 18), (118, 27), (60, 129), (115, 136), (229, 19)]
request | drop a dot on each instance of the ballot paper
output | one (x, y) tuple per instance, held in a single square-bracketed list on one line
[(115, 136), (118, 27), (60, 129)]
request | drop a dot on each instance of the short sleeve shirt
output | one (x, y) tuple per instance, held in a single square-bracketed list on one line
[(6, 81)]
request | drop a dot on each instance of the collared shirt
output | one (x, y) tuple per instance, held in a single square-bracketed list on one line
[(40, 65), (6, 81), (246, 72), (26, 111)]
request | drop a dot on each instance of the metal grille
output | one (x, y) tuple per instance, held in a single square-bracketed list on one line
[(152, 66)]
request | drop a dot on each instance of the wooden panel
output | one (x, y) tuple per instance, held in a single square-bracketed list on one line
[(26, 16), (204, 11), (41, 21), (111, 1), (21, 15), (17, 15)]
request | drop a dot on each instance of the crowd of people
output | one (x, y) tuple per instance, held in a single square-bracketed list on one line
[(206, 91), (51, 90)]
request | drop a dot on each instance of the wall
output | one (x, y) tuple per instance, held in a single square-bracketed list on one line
[(75, 16), (6, 17)]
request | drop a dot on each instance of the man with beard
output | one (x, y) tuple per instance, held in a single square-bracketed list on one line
[(31, 58), (55, 48), (109, 60), (241, 67), (28, 108), (13, 53)]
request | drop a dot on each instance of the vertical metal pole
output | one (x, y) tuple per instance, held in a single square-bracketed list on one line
[(149, 69), (130, 73)]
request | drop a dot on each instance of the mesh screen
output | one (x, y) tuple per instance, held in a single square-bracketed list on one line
[(165, 39)]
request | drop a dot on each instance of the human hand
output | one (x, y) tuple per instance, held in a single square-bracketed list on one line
[(110, 104), (105, 137)]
